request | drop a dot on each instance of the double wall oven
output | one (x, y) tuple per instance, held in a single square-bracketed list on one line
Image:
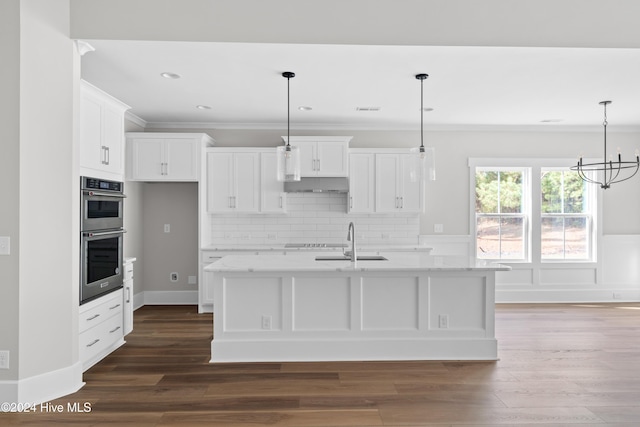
[(101, 234)]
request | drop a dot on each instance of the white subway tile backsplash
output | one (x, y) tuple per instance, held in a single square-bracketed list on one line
[(314, 217)]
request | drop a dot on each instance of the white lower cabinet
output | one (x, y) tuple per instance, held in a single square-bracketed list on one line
[(128, 296), (100, 325), (205, 287)]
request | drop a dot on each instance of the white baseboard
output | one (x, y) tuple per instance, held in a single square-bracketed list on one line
[(44, 387), (169, 297), (138, 300), (567, 295)]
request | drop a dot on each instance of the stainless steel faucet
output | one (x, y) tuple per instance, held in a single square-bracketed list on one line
[(351, 237)]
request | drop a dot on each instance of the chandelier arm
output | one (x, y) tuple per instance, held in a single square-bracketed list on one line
[(585, 178), (630, 176), (613, 178)]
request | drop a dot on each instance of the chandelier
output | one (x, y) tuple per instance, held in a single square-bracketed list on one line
[(611, 171)]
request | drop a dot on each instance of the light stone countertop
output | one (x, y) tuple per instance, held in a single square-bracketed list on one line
[(281, 247), (306, 262)]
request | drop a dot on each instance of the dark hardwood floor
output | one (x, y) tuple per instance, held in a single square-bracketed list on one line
[(560, 364)]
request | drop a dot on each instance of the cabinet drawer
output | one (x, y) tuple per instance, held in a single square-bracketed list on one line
[(94, 314), (96, 339)]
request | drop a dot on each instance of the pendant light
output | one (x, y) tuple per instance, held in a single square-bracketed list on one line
[(288, 167), (423, 158), (610, 171)]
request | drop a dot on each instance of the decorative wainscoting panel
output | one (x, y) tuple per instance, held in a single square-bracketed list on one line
[(615, 277)]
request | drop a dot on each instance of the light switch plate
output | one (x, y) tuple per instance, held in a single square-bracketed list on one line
[(5, 245)]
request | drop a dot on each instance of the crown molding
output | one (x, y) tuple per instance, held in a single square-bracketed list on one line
[(136, 120), (543, 128)]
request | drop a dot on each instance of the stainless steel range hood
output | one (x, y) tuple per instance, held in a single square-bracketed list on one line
[(318, 185)]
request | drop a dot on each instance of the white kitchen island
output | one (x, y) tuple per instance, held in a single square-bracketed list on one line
[(412, 306)]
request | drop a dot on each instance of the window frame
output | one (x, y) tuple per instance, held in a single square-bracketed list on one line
[(525, 214), (591, 217), (534, 194)]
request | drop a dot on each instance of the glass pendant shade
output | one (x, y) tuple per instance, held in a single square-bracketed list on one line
[(288, 163), (423, 164)]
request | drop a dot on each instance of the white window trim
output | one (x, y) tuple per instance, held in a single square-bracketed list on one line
[(594, 194), (535, 166)]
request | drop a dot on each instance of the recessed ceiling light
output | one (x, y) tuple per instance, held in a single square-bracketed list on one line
[(203, 107), (427, 109), (551, 121), (367, 108), (305, 108), (170, 75)]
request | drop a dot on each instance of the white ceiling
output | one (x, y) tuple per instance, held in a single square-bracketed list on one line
[(467, 87)]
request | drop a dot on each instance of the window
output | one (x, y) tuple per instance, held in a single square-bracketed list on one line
[(532, 210), (566, 220), (501, 214)]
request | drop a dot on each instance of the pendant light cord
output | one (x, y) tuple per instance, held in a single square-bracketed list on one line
[(422, 78), (422, 113), (288, 75)]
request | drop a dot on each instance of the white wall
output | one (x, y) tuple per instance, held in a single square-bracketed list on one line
[(448, 197), (42, 291), (134, 220), (9, 173)]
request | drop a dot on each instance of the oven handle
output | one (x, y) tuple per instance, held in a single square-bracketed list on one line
[(100, 193), (102, 233)]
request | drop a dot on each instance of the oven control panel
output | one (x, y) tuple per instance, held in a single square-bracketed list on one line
[(101, 184)]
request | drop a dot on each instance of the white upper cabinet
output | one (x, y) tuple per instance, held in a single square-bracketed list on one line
[(155, 156), (233, 182), (273, 199), (395, 190), (362, 183), (326, 156), (101, 133)]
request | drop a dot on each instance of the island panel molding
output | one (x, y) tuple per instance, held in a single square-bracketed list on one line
[(294, 308)]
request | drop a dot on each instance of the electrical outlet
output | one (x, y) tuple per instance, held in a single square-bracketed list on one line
[(167, 228), (272, 236), (617, 295), (173, 277), (5, 245), (385, 236), (438, 228), (266, 322), (443, 321), (191, 280), (4, 359)]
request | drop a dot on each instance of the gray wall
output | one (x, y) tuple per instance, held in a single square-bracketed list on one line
[(177, 251)]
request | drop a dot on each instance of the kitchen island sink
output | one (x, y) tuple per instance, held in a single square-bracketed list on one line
[(346, 258)]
